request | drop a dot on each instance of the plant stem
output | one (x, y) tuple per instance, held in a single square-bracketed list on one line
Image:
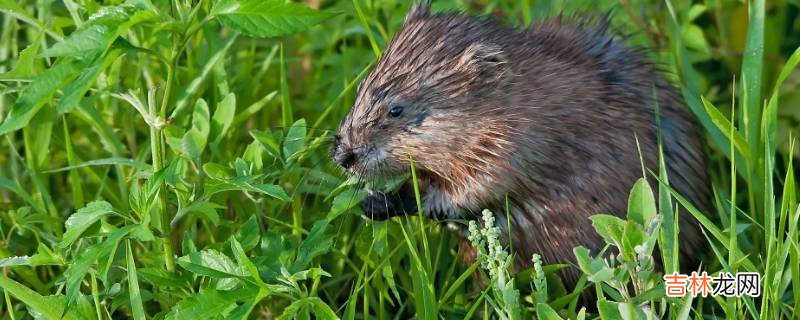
[(157, 149)]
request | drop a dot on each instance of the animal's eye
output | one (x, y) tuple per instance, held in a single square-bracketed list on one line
[(395, 111)]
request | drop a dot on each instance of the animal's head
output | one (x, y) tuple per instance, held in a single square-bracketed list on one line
[(432, 96)]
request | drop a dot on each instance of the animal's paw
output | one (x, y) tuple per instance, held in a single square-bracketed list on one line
[(376, 206)]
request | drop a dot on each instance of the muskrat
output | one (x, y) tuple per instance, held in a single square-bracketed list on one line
[(548, 120)]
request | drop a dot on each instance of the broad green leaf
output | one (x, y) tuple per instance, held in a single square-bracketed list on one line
[(268, 18), (212, 263), (295, 139), (248, 234), (98, 33), (84, 43), (641, 203), (206, 304), (608, 309), (609, 227), (223, 117), (81, 220), (194, 141), (162, 278), (133, 286), (545, 312), (271, 190), (38, 93)]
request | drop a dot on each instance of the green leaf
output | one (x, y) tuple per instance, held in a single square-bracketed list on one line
[(194, 141), (98, 33), (314, 304), (79, 267), (315, 244), (206, 304), (295, 139), (242, 259), (271, 190), (38, 93), (641, 203), (595, 268), (87, 41), (49, 307), (105, 162), (223, 117), (26, 61), (269, 140), (78, 222), (43, 257), (162, 278), (545, 312), (133, 287), (724, 126), (268, 18), (75, 91), (248, 234), (212, 263), (608, 310), (609, 227)]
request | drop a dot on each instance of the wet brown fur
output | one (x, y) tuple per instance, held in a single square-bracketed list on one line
[(548, 116)]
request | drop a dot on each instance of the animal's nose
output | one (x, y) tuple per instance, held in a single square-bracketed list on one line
[(342, 154), (346, 158)]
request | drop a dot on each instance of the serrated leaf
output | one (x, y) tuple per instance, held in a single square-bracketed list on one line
[(206, 304), (98, 33), (38, 93), (81, 220), (212, 263), (271, 190), (84, 42), (268, 18)]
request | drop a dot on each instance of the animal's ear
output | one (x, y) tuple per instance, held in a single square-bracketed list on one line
[(487, 60), (420, 10)]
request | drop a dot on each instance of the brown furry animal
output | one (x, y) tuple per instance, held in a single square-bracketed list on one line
[(548, 116)]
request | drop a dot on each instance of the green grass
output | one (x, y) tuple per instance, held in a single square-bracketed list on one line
[(169, 159)]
